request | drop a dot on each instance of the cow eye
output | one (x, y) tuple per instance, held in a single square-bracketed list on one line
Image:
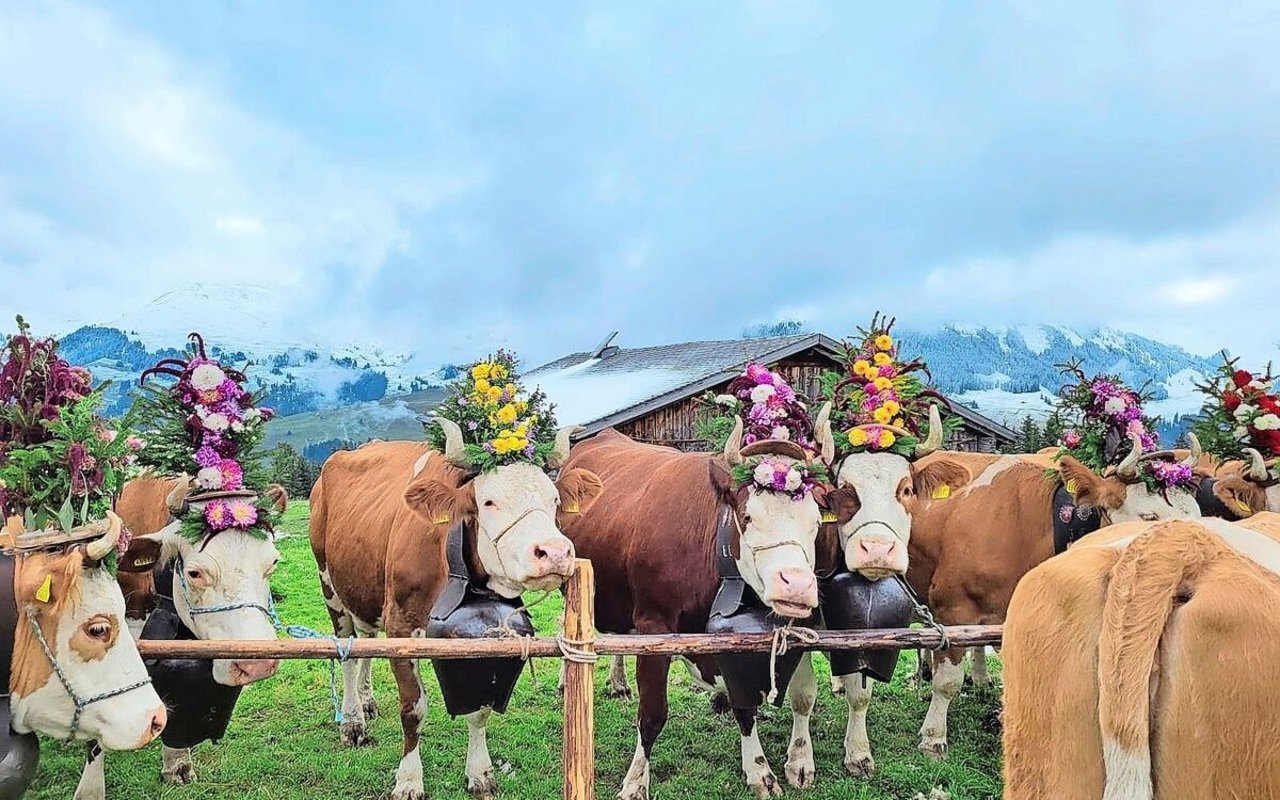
[(195, 573), (490, 504), (746, 519), (1150, 516), (99, 630)]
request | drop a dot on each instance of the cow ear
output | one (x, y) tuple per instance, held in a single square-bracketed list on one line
[(51, 581), (142, 555), (827, 548), (579, 488), (721, 477), (939, 479), (438, 502), (1242, 498), (1085, 485)]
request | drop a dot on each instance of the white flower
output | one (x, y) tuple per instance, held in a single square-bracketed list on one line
[(237, 426), (209, 478), (1241, 431), (762, 393), (207, 376), (763, 474), (793, 480), (1114, 406), (1267, 422), (216, 422), (727, 400), (1244, 411), (781, 432)]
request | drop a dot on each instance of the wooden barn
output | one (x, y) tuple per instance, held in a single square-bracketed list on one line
[(651, 393)]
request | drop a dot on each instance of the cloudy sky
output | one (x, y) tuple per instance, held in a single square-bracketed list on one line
[(448, 176)]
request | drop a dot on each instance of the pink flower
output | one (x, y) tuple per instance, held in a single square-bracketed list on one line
[(759, 373), (135, 443), (206, 456), (1071, 440), (232, 474), (217, 513), (244, 514), (887, 371), (107, 435)]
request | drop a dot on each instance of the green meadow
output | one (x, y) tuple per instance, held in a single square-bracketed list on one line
[(283, 743)]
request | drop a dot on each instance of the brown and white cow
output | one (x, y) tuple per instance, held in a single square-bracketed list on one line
[(232, 568), (79, 611), (1139, 665), (652, 541), (968, 552), (1241, 488), (380, 516)]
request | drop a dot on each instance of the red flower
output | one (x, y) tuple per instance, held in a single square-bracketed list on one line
[(1269, 440), (1242, 378), (1231, 401)]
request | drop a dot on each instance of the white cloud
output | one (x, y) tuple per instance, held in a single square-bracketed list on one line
[(236, 225), (1199, 291)]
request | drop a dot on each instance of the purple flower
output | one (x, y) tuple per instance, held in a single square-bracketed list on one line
[(759, 373), (1170, 474), (472, 425), (206, 456), (78, 457)]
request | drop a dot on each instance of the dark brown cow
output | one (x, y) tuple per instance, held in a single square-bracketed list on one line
[(380, 517), (651, 539)]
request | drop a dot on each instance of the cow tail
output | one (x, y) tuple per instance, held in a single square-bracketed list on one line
[(1140, 600)]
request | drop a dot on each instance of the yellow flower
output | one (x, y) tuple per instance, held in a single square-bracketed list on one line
[(882, 415), (521, 406), (884, 342), (883, 383), (857, 437), (497, 372), (882, 358), (482, 371), (861, 366), (510, 389), (899, 422), (507, 414), (482, 386), (494, 394), (522, 429), (892, 407), (887, 438)]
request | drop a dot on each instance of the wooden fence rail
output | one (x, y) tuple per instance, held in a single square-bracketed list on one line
[(581, 640)]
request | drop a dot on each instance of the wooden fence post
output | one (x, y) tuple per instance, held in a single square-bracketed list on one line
[(580, 686)]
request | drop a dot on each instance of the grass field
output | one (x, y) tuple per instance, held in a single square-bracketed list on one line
[(283, 743)]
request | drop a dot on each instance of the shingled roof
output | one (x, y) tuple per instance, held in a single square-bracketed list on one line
[(612, 385)]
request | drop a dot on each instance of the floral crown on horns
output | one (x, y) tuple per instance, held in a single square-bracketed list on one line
[(1107, 412), (208, 423), (878, 403), (774, 448), (488, 420), (1241, 418)]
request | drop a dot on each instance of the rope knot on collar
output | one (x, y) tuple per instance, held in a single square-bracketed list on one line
[(782, 639)]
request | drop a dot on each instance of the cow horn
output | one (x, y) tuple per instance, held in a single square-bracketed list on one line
[(1257, 471), (1128, 468), (455, 450), (1196, 450), (934, 440), (99, 548), (560, 453), (822, 434), (176, 500), (733, 445)]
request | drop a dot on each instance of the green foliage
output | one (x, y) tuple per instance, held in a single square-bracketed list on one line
[(289, 469), (1033, 437)]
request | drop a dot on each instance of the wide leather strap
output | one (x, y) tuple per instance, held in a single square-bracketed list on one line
[(1070, 520), (455, 590), (731, 593)]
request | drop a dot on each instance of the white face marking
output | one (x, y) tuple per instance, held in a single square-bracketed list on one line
[(776, 551), (122, 722), (232, 568), (1142, 504), (517, 505), (875, 540)]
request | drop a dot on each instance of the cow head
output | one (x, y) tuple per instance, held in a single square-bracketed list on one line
[(1256, 488), (230, 568), (514, 508), (1122, 496), (776, 531), (80, 612), (875, 495)]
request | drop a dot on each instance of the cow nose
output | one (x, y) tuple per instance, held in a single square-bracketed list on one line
[(876, 552), (251, 671), (158, 719), (553, 558), (796, 585)]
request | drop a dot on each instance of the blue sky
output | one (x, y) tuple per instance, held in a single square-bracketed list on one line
[(451, 177)]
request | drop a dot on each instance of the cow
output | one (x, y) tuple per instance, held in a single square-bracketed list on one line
[(1237, 489), (71, 669), (652, 542), (231, 568), (1137, 665), (380, 520), (969, 551)]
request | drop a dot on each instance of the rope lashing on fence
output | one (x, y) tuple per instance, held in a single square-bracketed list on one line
[(575, 649), (782, 638)]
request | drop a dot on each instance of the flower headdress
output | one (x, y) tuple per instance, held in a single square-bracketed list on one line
[(1105, 414), (61, 464), (209, 424), (488, 420), (1241, 418), (778, 434), (879, 404)]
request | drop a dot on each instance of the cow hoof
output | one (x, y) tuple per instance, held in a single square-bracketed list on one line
[(354, 734), (800, 774), (618, 692), (181, 775), (634, 792), (767, 787), (935, 749), (370, 709), (482, 788), (408, 793), (720, 703), (861, 766)]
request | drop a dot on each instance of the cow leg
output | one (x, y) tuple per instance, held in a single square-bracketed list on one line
[(176, 766), (948, 677), (618, 679), (480, 781), (354, 730), (803, 694), (837, 685), (413, 707), (93, 782), (651, 682), (760, 778), (367, 701), (857, 745), (981, 678)]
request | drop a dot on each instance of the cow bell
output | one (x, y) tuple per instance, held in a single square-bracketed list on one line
[(851, 602), (471, 684), (19, 755), (746, 675)]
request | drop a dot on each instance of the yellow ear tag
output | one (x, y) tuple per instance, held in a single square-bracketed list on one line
[(572, 508), (440, 520), (1071, 486), (144, 561), (46, 588), (942, 492), (1243, 506), (828, 516)]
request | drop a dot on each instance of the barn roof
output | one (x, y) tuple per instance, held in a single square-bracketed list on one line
[(612, 385)]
